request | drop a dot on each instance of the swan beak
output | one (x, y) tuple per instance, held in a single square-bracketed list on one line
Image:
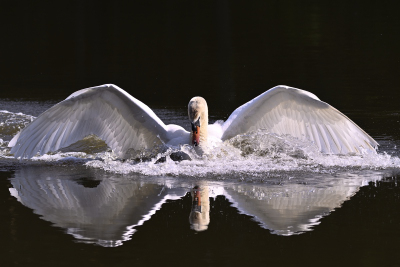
[(196, 132), (196, 135)]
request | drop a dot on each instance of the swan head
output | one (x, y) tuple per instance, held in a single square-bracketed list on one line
[(198, 116)]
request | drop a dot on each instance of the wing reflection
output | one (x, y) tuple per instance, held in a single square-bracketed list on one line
[(106, 214), (107, 211), (293, 208), (285, 209)]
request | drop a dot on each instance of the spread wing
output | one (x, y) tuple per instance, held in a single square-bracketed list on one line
[(107, 111), (287, 110)]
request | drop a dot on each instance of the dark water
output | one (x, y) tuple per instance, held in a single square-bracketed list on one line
[(362, 231), (164, 53)]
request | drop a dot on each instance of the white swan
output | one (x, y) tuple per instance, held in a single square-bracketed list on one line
[(124, 122)]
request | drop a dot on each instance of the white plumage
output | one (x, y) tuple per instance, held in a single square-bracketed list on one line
[(124, 122), (287, 110)]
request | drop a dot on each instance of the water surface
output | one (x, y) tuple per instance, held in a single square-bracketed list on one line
[(259, 192)]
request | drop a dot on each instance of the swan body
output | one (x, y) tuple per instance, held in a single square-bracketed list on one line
[(124, 122)]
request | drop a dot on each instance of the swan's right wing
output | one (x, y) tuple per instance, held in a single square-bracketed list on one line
[(287, 110), (107, 111)]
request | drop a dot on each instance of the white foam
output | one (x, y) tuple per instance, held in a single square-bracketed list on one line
[(254, 158), (254, 154)]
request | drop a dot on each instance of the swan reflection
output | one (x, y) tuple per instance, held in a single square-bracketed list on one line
[(200, 213), (107, 211)]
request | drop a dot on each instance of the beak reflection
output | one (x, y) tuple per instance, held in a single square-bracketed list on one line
[(200, 214)]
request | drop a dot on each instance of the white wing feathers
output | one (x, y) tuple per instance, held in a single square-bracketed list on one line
[(124, 122), (107, 111), (287, 110)]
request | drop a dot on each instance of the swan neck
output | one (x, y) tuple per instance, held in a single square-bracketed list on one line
[(198, 110)]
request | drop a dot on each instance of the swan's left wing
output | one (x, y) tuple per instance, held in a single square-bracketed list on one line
[(107, 111), (287, 110)]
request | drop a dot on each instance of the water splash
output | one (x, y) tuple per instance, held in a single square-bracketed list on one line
[(249, 156), (252, 155), (11, 123)]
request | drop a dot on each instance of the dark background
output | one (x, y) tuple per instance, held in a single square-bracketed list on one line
[(165, 52)]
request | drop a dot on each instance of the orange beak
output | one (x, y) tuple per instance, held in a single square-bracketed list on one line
[(196, 136)]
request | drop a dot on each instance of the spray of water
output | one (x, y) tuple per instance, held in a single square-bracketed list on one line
[(254, 154)]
